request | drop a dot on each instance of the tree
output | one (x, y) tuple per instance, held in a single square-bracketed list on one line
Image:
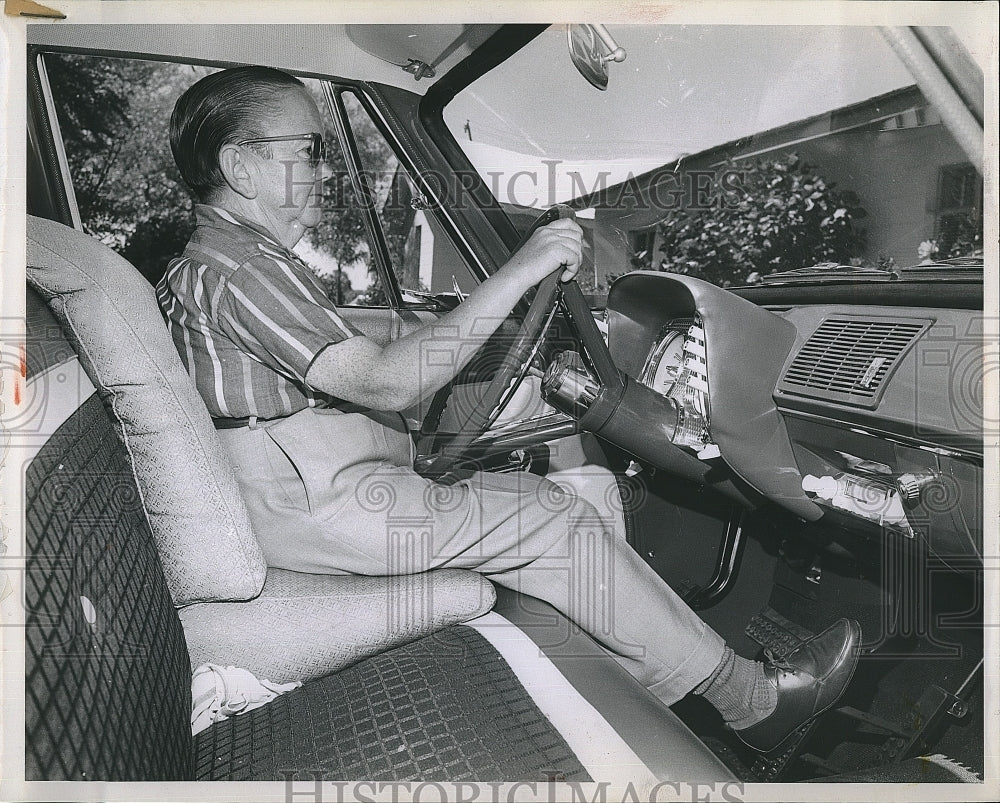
[(767, 215), (344, 294), (114, 117)]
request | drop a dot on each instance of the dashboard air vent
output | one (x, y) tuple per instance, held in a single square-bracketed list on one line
[(850, 359)]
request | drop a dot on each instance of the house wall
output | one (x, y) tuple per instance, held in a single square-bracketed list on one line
[(895, 174), (433, 260)]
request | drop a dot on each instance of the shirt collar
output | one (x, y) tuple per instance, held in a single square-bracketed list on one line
[(215, 215)]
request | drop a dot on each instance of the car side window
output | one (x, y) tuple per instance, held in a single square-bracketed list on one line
[(113, 117), (423, 258)]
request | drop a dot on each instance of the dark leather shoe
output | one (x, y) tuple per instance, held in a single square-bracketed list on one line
[(809, 680)]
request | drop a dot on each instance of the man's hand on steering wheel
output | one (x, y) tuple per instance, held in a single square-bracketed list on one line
[(550, 252), (558, 244)]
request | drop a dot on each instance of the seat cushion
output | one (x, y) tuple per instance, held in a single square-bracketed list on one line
[(474, 702), (188, 490), (304, 626)]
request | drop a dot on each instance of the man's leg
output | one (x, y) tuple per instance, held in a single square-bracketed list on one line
[(532, 536), (523, 532), (520, 530)]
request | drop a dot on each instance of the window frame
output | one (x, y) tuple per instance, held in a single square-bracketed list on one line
[(45, 134), (379, 247)]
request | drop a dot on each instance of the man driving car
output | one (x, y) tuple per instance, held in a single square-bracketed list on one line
[(306, 407)]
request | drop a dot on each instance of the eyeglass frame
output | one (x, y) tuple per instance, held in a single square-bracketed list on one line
[(317, 145)]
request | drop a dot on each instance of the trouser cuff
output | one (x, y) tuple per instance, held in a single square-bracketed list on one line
[(699, 665)]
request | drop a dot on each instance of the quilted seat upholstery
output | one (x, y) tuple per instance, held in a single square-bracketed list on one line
[(302, 627), (444, 708), (307, 625), (105, 652)]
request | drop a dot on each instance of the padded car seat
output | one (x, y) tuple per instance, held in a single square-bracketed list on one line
[(515, 694)]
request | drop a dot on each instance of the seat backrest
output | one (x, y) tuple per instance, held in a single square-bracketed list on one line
[(189, 492), (165, 458), (108, 680)]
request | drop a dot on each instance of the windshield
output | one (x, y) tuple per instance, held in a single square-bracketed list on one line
[(726, 152)]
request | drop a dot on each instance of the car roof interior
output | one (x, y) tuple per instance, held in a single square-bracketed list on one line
[(379, 53)]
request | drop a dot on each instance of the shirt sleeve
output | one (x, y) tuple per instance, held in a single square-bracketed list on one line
[(279, 314)]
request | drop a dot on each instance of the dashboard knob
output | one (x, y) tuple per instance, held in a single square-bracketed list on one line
[(912, 484)]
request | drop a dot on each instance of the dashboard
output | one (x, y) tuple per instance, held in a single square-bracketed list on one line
[(870, 416)]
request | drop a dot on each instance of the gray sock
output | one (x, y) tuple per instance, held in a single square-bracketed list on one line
[(739, 691)]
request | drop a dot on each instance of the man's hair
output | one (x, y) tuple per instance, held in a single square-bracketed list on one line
[(221, 108)]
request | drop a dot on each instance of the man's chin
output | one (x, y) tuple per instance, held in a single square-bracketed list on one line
[(311, 216)]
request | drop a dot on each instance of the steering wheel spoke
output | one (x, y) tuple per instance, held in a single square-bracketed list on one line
[(520, 355)]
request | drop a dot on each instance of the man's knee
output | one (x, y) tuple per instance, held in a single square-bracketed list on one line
[(565, 522), (562, 504)]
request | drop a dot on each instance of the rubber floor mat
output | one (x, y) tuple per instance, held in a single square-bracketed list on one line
[(446, 707)]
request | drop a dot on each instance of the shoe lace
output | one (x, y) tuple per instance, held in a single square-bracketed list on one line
[(776, 660)]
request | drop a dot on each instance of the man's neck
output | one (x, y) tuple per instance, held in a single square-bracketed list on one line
[(252, 213)]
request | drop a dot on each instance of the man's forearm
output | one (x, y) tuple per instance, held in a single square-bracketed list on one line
[(395, 376), (434, 354)]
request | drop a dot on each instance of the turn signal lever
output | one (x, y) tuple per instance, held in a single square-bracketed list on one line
[(635, 417)]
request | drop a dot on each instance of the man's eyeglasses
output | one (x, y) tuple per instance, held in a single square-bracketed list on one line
[(317, 147)]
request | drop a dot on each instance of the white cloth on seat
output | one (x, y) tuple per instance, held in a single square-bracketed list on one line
[(220, 692)]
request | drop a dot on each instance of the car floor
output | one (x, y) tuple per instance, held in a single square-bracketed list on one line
[(913, 640)]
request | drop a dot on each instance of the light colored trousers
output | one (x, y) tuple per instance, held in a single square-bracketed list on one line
[(334, 493)]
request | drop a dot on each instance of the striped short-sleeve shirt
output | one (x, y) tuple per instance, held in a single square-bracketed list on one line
[(248, 318)]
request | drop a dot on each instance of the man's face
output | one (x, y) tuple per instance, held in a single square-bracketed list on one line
[(289, 184)]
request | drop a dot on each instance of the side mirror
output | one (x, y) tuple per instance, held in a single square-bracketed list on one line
[(587, 46)]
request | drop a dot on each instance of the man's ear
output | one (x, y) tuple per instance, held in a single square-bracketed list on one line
[(237, 171)]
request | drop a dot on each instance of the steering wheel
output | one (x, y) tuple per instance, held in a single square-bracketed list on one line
[(518, 358)]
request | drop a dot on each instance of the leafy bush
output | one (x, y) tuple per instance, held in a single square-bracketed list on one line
[(960, 235), (767, 215)]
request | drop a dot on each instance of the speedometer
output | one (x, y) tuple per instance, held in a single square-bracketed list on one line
[(664, 362)]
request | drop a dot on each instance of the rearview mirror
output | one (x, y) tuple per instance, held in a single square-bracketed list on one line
[(587, 46)]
